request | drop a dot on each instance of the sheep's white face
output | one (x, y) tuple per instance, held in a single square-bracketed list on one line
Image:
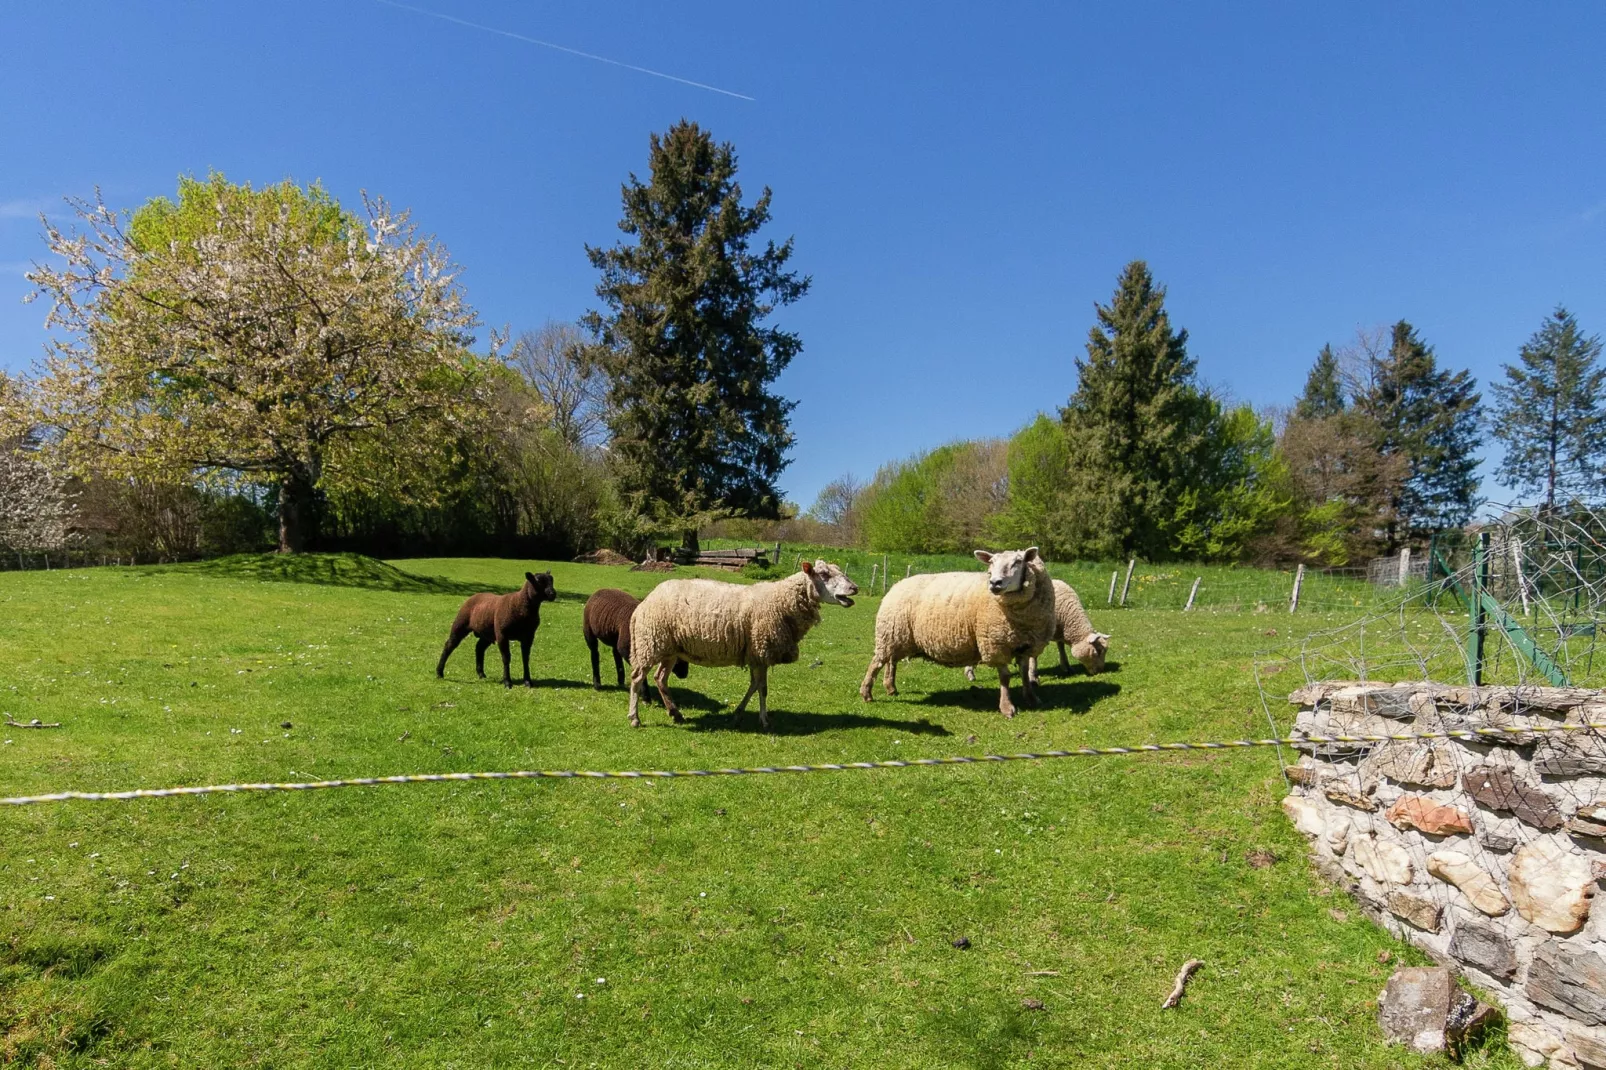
[(1007, 571), (831, 583), (1090, 652)]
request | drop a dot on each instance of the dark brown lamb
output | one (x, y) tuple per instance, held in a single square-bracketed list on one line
[(607, 619), (500, 619)]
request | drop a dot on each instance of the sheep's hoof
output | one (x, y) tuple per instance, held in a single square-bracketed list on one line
[(635, 722), (675, 716), (892, 691), (529, 683), (1007, 711), (864, 693)]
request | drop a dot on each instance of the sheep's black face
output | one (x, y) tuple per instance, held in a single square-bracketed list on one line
[(540, 586)]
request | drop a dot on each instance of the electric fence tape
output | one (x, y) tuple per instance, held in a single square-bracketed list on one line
[(831, 767)]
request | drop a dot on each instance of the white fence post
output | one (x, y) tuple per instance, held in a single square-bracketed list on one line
[(1192, 593), (1114, 578), (1127, 586), (1522, 583), (1405, 565), (1299, 581)]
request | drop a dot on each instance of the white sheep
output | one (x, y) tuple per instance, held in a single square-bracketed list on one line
[(968, 618), (1071, 626), (706, 622)]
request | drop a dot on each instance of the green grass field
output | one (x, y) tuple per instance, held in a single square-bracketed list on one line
[(792, 921)]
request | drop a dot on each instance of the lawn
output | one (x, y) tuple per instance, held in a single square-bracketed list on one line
[(804, 921)]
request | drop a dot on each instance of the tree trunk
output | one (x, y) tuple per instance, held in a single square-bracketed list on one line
[(298, 517), (688, 540)]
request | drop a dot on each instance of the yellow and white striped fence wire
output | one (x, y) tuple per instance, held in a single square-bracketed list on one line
[(823, 767)]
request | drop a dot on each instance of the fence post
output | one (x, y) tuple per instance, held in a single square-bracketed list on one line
[(883, 573), (1114, 577), (1299, 581), (1480, 580), (1127, 586), (907, 566), (1405, 565), (1522, 584), (871, 585), (1192, 593)]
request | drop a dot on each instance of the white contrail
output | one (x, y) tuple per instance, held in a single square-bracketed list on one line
[(561, 48)]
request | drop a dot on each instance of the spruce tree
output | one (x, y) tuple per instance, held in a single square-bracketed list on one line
[(1324, 391), (1135, 427), (1548, 413), (1430, 417), (696, 432)]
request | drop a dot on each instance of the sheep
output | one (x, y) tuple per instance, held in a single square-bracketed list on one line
[(501, 618), (967, 618), (606, 618), (1071, 626), (707, 622)]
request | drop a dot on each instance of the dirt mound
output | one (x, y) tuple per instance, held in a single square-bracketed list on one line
[(654, 566), (604, 556)]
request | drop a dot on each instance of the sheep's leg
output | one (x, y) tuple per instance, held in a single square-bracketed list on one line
[(869, 677), (889, 679), (618, 666), (763, 696), (638, 676), (1005, 706), (1031, 672), (1028, 671), (970, 673), (661, 678), (506, 650), (480, 646), (524, 649), (1065, 662), (752, 687), (596, 664), (453, 638)]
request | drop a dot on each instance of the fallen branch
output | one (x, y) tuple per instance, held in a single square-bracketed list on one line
[(1182, 982), (35, 723), (1042, 973)]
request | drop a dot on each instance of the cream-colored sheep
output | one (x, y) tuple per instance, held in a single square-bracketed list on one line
[(1071, 626), (968, 618), (707, 622)]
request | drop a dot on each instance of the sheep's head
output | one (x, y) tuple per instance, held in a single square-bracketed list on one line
[(538, 587), (1009, 572), (1090, 652), (831, 583)]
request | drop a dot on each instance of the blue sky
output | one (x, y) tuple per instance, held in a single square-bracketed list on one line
[(963, 181)]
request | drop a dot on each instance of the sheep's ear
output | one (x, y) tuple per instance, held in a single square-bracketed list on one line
[(808, 566), (984, 557), (820, 564), (530, 576), (1032, 554)]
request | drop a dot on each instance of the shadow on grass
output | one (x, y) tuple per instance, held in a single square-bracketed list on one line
[(783, 723), (334, 570), (495, 677), (1076, 696)]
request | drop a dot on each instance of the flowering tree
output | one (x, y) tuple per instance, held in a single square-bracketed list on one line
[(265, 333), (35, 504)]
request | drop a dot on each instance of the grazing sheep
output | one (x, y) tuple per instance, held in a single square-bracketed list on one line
[(1071, 626), (707, 622), (607, 619), (967, 618), (501, 618)]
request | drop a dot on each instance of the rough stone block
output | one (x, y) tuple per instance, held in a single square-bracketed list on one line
[(1565, 754), (1418, 910), (1423, 814), (1589, 1047), (1348, 792), (1551, 886), (1589, 821), (1484, 948), (1306, 814), (1385, 863), (1569, 979), (1429, 765), (1482, 890), (1415, 1006), (1498, 789)]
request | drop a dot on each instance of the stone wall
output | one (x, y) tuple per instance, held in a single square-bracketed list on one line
[(1485, 854)]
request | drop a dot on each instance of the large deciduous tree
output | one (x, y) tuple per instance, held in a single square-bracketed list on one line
[(1430, 416), (1136, 428), (1548, 413), (264, 333), (696, 431)]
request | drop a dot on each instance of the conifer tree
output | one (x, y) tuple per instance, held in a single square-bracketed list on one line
[(1135, 427), (1548, 413), (696, 432), (1324, 390), (1429, 416)]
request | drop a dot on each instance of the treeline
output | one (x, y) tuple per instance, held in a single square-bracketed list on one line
[(1379, 451)]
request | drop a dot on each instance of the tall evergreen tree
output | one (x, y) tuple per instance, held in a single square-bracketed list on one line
[(1548, 413), (696, 432), (1324, 390), (1134, 427), (1429, 416)]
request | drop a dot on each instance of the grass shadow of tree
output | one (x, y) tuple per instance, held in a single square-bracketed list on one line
[(783, 723), (333, 570), (1075, 696)]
